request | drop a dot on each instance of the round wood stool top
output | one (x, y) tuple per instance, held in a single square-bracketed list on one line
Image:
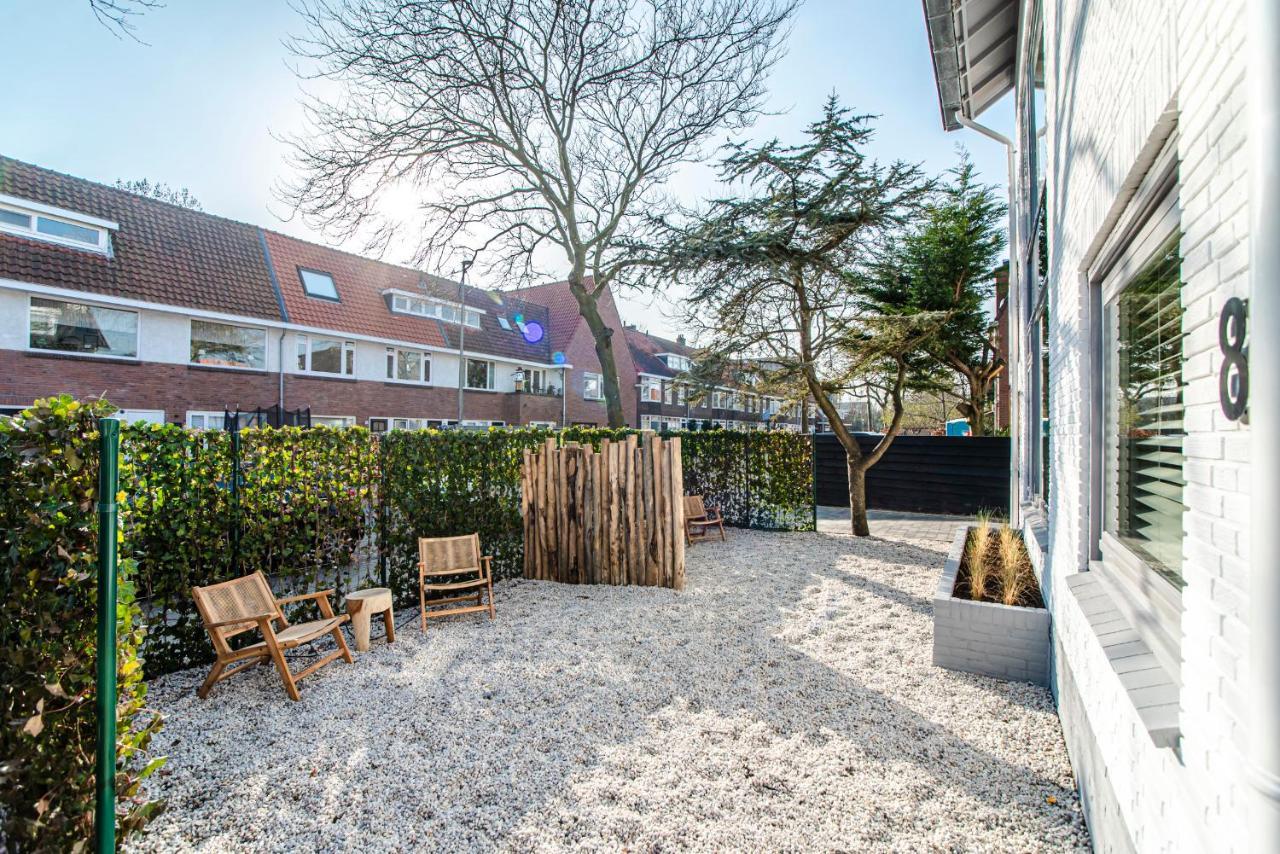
[(362, 605), (374, 599)]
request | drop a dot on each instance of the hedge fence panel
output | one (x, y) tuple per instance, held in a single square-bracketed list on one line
[(48, 639), (342, 508)]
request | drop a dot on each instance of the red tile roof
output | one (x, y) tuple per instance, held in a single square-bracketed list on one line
[(161, 253), (645, 349), (362, 307)]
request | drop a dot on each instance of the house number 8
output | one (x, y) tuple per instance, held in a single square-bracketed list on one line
[(1233, 378)]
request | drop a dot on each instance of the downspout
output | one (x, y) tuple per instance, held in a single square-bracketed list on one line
[(1263, 755), (284, 312), (564, 398), (1014, 314)]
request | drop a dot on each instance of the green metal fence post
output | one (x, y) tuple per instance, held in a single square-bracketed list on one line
[(235, 500), (104, 830)]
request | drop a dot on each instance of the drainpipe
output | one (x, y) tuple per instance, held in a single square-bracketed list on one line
[(280, 396), (1016, 330), (1263, 756), (564, 398), (462, 340)]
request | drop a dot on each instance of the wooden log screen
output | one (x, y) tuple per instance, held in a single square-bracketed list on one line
[(613, 517)]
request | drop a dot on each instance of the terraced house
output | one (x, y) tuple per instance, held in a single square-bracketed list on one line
[(180, 316), (672, 396)]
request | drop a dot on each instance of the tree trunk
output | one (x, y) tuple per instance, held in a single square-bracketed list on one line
[(603, 336), (977, 415), (858, 500)]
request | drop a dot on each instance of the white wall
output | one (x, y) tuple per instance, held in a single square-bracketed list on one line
[(1113, 69)]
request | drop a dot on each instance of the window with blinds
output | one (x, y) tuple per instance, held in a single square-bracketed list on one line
[(1144, 414)]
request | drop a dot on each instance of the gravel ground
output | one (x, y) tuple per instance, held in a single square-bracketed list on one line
[(784, 701)]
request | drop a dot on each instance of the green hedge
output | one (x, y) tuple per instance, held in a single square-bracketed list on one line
[(48, 640), (342, 509), (311, 508)]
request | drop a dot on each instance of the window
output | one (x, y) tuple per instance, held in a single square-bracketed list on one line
[(204, 420), (438, 309), (72, 327), (545, 425), (676, 362), (318, 284), (668, 393), (1143, 411), (42, 222), (228, 346), (480, 374), (651, 389), (410, 366), (326, 355), (592, 386), (333, 421)]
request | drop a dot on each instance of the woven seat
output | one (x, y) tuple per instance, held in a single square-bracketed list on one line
[(452, 560), (700, 519), (243, 604)]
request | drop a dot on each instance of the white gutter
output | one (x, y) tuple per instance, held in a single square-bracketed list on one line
[(1263, 755), (1013, 315)]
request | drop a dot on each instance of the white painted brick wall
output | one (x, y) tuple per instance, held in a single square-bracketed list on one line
[(1112, 69)]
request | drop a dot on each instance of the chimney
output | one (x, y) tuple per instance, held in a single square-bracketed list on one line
[(680, 339)]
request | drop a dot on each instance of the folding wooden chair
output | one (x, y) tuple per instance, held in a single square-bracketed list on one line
[(243, 604), (699, 519), (457, 559)]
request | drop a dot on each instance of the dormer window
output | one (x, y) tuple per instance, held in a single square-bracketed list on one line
[(54, 225), (402, 303), (676, 362), (318, 284)]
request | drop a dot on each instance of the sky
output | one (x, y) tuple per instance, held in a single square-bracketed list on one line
[(205, 98)]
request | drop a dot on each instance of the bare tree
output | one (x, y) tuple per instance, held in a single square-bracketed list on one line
[(530, 128), (117, 15), (181, 197), (780, 273)]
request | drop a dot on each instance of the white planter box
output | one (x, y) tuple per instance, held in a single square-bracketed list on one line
[(1003, 641)]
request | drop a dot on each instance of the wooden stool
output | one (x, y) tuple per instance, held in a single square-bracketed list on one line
[(362, 605)]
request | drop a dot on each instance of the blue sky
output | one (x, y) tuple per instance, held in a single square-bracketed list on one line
[(201, 104)]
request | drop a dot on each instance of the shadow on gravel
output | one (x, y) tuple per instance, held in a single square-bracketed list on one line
[(463, 739)]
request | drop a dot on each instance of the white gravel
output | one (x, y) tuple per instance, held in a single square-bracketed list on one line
[(784, 701)]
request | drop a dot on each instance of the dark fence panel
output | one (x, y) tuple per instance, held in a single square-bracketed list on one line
[(922, 474)]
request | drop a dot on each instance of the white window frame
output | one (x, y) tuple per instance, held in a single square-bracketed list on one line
[(205, 414), (348, 355), (437, 309), (35, 211), (191, 342), (346, 421), (1152, 216), (424, 370), (544, 425), (492, 376), (137, 355), (587, 378)]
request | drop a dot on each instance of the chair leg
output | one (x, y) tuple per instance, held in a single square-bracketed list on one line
[(490, 594), (389, 621), (422, 605), (342, 645), (211, 679), (277, 655), (721, 532)]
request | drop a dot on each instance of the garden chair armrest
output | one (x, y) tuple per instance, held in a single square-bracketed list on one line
[(321, 597), (463, 571), (316, 595), (250, 618)]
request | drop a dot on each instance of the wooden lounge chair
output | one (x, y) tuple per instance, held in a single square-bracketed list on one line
[(700, 519), (243, 604), (451, 565)]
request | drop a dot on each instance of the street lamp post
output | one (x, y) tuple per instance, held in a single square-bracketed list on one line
[(462, 340)]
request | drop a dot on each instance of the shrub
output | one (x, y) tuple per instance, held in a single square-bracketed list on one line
[(1014, 571), (979, 546), (48, 586)]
